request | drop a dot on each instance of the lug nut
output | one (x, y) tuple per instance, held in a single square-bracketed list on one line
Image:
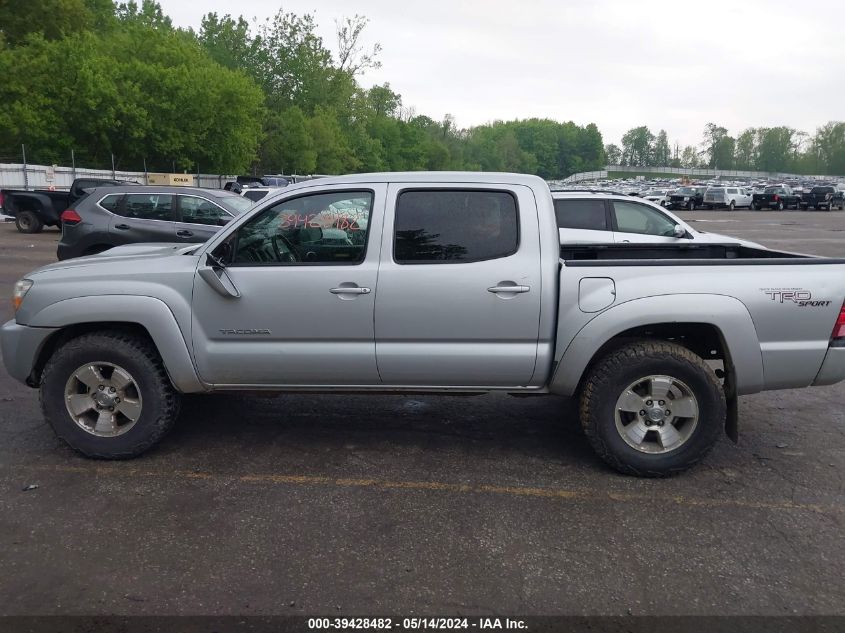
[(112, 390), (648, 403), (668, 412), (116, 400), (111, 408), (101, 387), (661, 423), (642, 411), (661, 402)]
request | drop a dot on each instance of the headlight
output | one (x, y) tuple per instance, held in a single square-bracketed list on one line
[(21, 288)]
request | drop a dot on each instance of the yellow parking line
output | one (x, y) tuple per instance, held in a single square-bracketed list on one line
[(384, 484)]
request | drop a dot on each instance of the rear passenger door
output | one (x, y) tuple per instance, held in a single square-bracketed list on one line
[(143, 217), (583, 221), (639, 223), (197, 219), (458, 298)]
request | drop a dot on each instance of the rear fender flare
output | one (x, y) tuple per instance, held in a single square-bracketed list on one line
[(727, 314)]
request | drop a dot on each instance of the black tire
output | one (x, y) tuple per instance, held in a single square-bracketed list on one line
[(732, 206), (611, 375), (28, 222), (691, 205), (753, 206), (829, 207), (136, 355), (780, 206)]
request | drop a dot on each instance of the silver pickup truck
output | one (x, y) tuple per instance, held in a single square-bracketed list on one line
[(427, 282)]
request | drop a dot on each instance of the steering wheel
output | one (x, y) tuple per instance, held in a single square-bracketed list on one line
[(286, 253)]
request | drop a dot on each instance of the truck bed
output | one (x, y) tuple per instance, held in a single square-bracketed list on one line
[(682, 255)]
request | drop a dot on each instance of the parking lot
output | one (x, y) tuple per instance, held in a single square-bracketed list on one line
[(336, 504)]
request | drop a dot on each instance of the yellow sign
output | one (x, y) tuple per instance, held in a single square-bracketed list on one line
[(172, 180)]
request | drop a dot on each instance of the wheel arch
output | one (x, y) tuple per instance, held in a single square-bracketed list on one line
[(715, 327), (144, 316)]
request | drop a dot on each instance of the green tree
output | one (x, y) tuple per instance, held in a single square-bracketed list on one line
[(613, 153), (662, 153), (638, 147)]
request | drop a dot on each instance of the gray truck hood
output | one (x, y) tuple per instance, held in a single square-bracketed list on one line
[(128, 253)]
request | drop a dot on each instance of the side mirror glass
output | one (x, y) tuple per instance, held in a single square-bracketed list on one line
[(679, 231)]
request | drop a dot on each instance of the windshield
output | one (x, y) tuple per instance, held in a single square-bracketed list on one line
[(685, 191), (773, 189), (236, 204), (715, 190)]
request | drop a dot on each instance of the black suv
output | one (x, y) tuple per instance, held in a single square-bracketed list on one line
[(114, 216), (686, 198)]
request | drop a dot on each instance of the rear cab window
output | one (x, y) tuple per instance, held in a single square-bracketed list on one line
[(581, 214), (452, 226)]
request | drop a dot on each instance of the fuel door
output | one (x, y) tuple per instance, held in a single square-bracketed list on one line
[(596, 293)]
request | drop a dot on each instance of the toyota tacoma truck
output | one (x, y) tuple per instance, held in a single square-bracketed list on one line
[(451, 283), (33, 210)]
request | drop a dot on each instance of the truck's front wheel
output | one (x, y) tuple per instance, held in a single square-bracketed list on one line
[(108, 395), (652, 408)]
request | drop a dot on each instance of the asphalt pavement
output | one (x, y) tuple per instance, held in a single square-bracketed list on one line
[(342, 505)]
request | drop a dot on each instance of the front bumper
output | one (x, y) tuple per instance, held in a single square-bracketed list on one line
[(20, 345)]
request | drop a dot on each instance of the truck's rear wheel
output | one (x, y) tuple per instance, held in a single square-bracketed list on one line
[(108, 396), (28, 222), (780, 206), (652, 409)]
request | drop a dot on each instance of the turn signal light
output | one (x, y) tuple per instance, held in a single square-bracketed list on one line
[(839, 328), (70, 216)]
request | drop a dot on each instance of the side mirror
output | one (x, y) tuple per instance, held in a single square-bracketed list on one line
[(679, 231)]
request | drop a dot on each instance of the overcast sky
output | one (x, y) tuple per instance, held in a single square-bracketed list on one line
[(617, 63)]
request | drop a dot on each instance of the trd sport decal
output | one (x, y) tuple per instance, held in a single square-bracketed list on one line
[(796, 296)]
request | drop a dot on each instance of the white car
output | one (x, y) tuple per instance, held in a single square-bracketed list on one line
[(727, 197), (658, 196), (596, 218)]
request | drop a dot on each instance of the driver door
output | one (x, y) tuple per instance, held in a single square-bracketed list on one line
[(305, 268), (639, 223)]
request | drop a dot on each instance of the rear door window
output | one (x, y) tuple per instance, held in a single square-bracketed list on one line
[(147, 206), (455, 226), (581, 214)]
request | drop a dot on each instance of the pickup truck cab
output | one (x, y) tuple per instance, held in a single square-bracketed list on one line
[(600, 218), (426, 282), (33, 210)]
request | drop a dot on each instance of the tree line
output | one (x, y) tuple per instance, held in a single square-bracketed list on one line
[(108, 80), (769, 149)]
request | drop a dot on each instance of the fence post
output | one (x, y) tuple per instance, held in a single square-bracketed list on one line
[(72, 164), (25, 175), (112, 167), (146, 177)]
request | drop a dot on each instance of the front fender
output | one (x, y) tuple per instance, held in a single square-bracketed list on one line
[(727, 314), (150, 313)]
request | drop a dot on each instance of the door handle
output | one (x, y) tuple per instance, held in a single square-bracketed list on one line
[(350, 290), (122, 227), (184, 233), (509, 289)]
